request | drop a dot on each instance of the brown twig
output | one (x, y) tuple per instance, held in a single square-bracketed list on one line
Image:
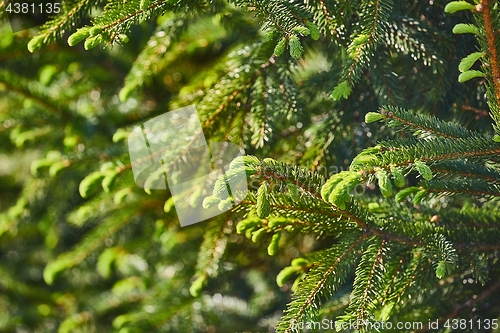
[(490, 39)]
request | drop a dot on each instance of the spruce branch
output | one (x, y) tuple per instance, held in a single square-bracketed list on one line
[(418, 269), (457, 310), (55, 27), (375, 17), (92, 241), (311, 183), (426, 123), (368, 293), (404, 153), (309, 291), (492, 48), (462, 186), (213, 247), (33, 91), (328, 16), (466, 170), (390, 285)]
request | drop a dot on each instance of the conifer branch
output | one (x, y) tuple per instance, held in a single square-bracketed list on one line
[(478, 247), (438, 150), (328, 16), (129, 17), (328, 212), (353, 212), (478, 112), (492, 48), (322, 151), (92, 241), (413, 277), (359, 58), (466, 170), (393, 279), (376, 262), (481, 188), (287, 326), (52, 28), (213, 247), (426, 123), (468, 304), (32, 90)]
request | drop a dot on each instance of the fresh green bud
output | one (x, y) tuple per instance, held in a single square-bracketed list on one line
[(263, 204), (273, 246), (247, 223), (108, 180), (372, 117), (197, 286), (340, 193), (468, 75), (363, 160), (210, 201), (79, 36), (313, 28), (249, 231), (441, 270), (419, 196), (423, 169), (467, 62), (280, 47), (124, 39), (225, 205), (58, 166), (360, 39), (94, 31), (293, 190), (169, 205), (331, 183), (270, 161), (126, 92), (397, 175), (88, 182), (91, 42), (303, 31), (296, 48), (456, 6), (121, 195), (120, 135), (384, 183), (464, 28), (257, 235), (285, 274), (35, 43), (403, 194), (277, 222), (272, 35), (300, 262)]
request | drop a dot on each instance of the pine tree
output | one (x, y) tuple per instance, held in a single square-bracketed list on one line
[(372, 139)]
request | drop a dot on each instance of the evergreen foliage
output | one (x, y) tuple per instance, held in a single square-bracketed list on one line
[(372, 139)]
